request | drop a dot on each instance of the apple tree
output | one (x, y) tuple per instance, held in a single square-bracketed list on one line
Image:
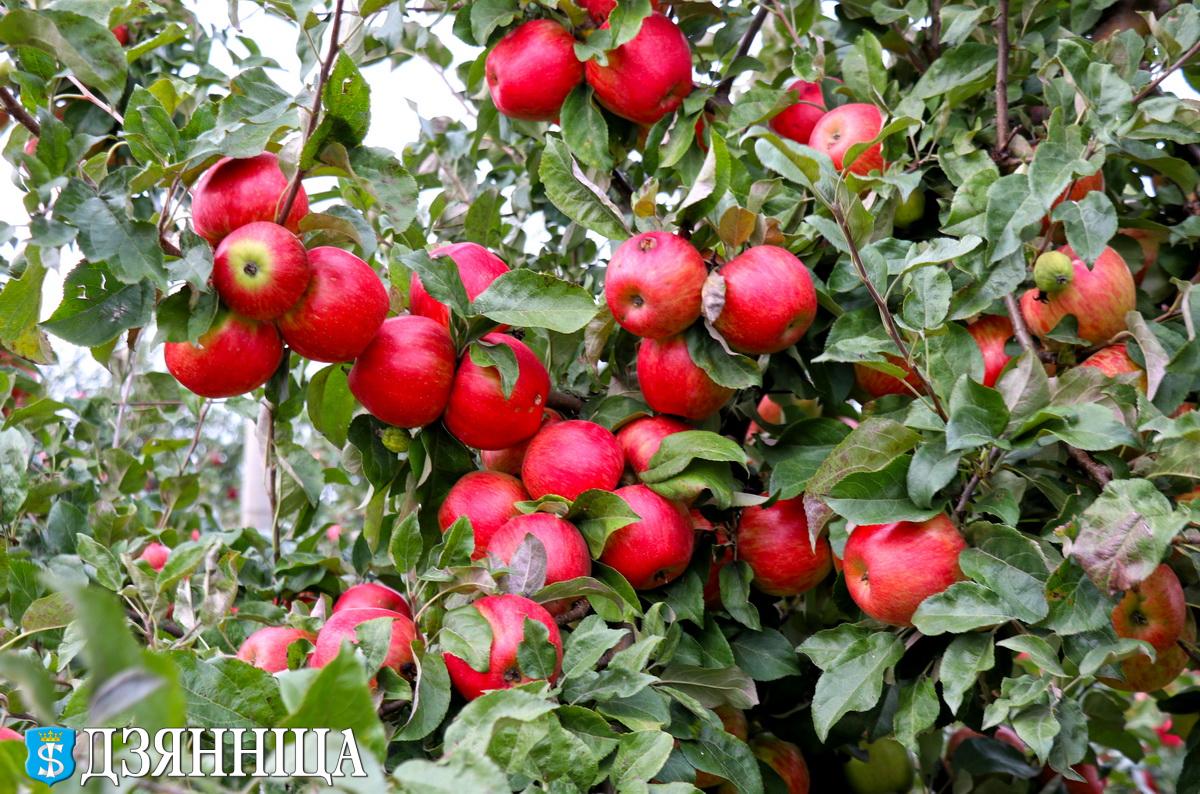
[(773, 396)]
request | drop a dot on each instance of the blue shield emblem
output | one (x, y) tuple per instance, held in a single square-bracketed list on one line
[(51, 754)]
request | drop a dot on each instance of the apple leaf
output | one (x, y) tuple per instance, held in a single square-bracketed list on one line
[(962, 606), (577, 196), (536, 300), (467, 634), (853, 680)]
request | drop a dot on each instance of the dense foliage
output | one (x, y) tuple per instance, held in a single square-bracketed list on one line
[(1065, 485)]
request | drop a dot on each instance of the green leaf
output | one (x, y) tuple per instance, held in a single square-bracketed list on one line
[(228, 692), (766, 655), (734, 582), (453, 774), (965, 658), (346, 104), (471, 731), (536, 300), (86, 47), (576, 196), (870, 447), (1090, 223), (108, 234), (722, 754), (1011, 565), (640, 756), (21, 301), (502, 358), (441, 279), (978, 415), (962, 606), (1040, 652), (49, 612), (583, 648), (330, 404), (483, 224), (585, 130), (854, 680), (927, 300), (1037, 727), (878, 496), (863, 68), (597, 514), (679, 449), (1012, 210), (487, 15), (467, 634), (712, 687), (431, 697), (536, 656), (108, 569), (712, 181), (731, 370), (916, 712), (380, 175), (932, 469), (1076, 605), (335, 697)]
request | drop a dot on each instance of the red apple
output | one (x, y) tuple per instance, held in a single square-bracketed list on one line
[(769, 411), (957, 738), (372, 595), (121, 34), (1075, 192), (480, 416), (340, 312), (568, 458), (769, 300), (891, 568), (1155, 610), (510, 459), (267, 648), (260, 270), (735, 723), (797, 121), (235, 192), (506, 614), (1114, 360), (653, 284), (1098, 298), (477, 268), (1139, 674), (488, 499), (880, 384), (9, 735), (673, 384), (342, 627), (532, 69), (641, 438), (991, 333), (567, 554), (404, 375), (784, 758), (600, 9), (845, 126), (332, 533), (234, 356), (774, 542), (156, 555), (656, 549), (1092, 783), (648, 77)]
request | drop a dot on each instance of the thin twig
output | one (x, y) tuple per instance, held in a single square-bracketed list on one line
[(935, 29), (1097, 471), (18, 111), (969, 490), (266, 423), (1001, 79), (95, 100), (744, 45), (578, 610), (165, 216), (195, 437), (127, 385), (1020, 329), (1148, 90)]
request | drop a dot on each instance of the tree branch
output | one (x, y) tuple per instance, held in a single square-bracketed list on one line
[(1148, 90), (969, 490), (577, 611), (18, 111), (561, 401), (1001, 80), (756, 24), (935, 29), (1097, 471)]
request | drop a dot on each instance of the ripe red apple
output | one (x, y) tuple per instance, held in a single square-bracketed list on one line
[(9, 735), (332, 533), (774, 542), (653, 284), (506, 615), (568, 458), (235, 192), (641, 438), (880, 384), (673, 384), (1139, 674), (1114, 360), (769, 300), (656, 549), (342, 626), (600, 9), (1075, 192), (488, 499), (1098, 298), (121, 34), (404, 375), (477, 268), (769, 411), (532, 69), (156, 555), (797, 121), (372, 595), (1155, 610), (734, 722), (234, 356), (784, 758), (845, 126), (648, 77), (478, 413), (267, 648), (260, 270), (891, 568), (510, 459), (1092, 783), (567, 554), (991, 333), (340, 312)]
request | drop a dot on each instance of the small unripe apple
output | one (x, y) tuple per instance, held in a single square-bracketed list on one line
[(774, 541), (477, 268), (235, 192), (891, 568), (887, 770), (1098, 298), (506, 614), (340, 312), (155, 555), (910, 210), (510, 459), (342, 627), (648, 77), (991, 333), (769, 300), (880, 384), (641, 438), (478, 412), (260, 270), (568, 458), (532, 69), (656, 549), (372, 595), (674, 384), (1053, 272), (267, 648), (653, 284), (1114, 360), (404, 375), (236, 355), (797, 121), (846, 126), (488, 499), (567, 554)]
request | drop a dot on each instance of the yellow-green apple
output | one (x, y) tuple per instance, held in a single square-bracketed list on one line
[(768, 300), (674, 384), (506, 614), (532, 69), (655, 549), (372, 595), (510, 459), (653, 284), (891, 568), (887, 770), (340, 312), (784, 759), (481, 416), (488, 499), (1154, 611), (404, 375), (641, 438), (735, 723), (910, 210), (991, 333), (236, 355), (343, 626), (267, 648), (797, 121), (567, 554), (235, 192), (155, 555), (1114, 360), (774, 542), (844, 127), (568, 458), (1098, 297), (880, 384), (260, 270), (477, 268), (648, 77)]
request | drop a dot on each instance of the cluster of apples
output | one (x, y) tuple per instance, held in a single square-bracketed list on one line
[(325, 303)]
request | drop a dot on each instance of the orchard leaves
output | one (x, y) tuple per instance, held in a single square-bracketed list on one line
[(852, 674)]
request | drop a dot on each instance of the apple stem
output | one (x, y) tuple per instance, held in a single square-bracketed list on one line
[(18, 111)]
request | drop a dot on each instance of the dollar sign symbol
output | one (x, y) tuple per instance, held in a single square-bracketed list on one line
[(53, 767)]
